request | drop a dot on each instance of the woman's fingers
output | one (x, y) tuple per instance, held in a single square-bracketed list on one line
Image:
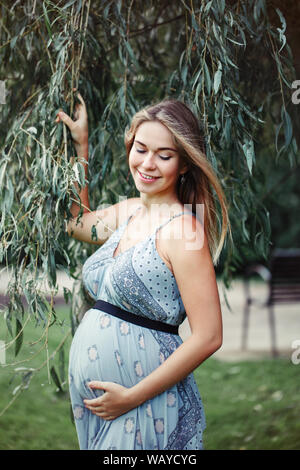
[(99, 385), (76, 112), (79, 124), (80, 98), (100, 411), (78, 95), (92, 402), (61, 116)]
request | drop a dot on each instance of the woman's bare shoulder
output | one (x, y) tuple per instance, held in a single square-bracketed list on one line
[(183, 233), (183, 226)]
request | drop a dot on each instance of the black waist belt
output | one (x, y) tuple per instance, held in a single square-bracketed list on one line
[(132, 318)]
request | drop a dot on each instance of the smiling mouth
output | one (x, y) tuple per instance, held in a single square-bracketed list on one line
[(147, 177)]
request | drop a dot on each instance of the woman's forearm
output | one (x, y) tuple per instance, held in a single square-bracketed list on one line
[(79, 133), (186, 358), (82, 154)]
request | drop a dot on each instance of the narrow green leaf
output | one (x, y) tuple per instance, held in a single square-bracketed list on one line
[(2, 172), (248, 149), (19, 336), (94, 233), (47, 21), (62, 363), (196, 79), (13, 42), (194, 23), (38, 217), (52, 266), (81, 174), (56, 379), (282, 36), (107, 161), (217, 78), (9, 322), (222, 6), (207, 77), (131, 53), (227, 130), (198, 90), (184, 74), (79, 5), (68, 4), (288, 128), (9, 195)]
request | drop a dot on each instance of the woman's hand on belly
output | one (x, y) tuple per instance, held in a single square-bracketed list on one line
[(113, 403)]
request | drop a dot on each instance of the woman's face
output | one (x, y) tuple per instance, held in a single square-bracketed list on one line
[(154, 162)]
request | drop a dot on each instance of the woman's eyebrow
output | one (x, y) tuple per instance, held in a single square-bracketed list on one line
[(161, 148)]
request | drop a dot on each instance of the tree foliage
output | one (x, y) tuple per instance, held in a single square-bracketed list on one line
[(225, 59)]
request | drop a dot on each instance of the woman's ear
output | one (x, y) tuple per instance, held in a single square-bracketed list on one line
[(183, 168), (184, 164)]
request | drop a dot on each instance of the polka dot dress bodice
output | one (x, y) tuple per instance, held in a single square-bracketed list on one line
[(109, 349), (137, 280)]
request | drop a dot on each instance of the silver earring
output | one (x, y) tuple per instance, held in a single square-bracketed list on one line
[(182, 179)]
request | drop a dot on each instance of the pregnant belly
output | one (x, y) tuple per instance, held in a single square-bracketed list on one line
[(109, 349)]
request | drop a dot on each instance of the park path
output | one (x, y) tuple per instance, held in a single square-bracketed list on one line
[(287, 320), (259, 338)]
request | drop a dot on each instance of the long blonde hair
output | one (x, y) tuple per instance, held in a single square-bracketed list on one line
[(200, 179)]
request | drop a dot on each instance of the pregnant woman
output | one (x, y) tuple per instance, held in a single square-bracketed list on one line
[(131, 375)]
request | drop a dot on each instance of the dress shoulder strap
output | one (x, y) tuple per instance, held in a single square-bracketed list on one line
[(126, 222), (173, 217)]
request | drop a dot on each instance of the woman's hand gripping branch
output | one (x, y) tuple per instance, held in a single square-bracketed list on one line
[(79, 126)]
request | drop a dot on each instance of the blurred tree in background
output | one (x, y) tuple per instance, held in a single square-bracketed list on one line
[(230, 61)]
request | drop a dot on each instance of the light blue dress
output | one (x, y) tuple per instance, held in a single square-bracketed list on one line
[(109, 349)]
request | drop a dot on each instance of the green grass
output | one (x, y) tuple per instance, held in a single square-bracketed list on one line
[(248, 405), (251, 405), (40, 417)]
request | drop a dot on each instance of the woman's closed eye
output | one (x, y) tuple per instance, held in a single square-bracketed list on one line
[(164, 158), (161, 156)]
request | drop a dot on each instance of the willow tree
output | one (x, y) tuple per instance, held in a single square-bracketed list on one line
[(226, 59)]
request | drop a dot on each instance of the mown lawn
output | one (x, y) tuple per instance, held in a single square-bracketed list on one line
[(40, 417), (249, 405)]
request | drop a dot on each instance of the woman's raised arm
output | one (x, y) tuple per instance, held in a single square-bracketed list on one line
[(93, 226)]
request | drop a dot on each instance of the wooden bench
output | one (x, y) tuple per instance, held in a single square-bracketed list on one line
[(283, 278)]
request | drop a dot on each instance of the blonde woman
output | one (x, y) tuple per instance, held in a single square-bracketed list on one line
[(131, 375)]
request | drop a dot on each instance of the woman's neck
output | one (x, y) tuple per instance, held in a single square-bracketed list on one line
[(159, 204)]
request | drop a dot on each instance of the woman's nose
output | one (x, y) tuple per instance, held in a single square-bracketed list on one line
[(149, 160)]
